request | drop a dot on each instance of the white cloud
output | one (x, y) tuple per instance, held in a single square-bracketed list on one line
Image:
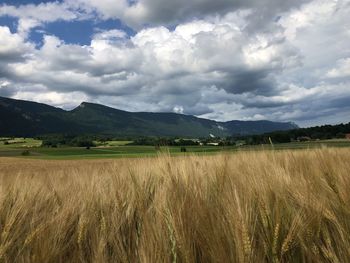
[(12, 48), (113, 34), (30, 15), (45, 12), (178, 109), (342, 69), (221, 65), (105, 8), (68, 100)]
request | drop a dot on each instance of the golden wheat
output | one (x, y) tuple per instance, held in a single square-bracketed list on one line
[(272, 206)]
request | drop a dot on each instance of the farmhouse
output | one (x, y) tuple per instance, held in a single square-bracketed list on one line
[(303, 139)]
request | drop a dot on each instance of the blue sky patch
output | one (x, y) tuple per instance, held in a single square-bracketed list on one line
[(10, 22), (27, 2), (76, 32)]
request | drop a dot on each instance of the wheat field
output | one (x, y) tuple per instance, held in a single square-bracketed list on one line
[(287, 206)]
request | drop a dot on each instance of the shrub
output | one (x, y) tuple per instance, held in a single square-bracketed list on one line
[(25, 153)]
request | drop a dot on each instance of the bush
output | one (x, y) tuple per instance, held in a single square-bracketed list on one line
[(84, 143), (340, 135), (58, 140), (25, 153)]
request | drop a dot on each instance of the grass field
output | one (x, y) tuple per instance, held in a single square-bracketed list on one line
[(252, 206), (119, 149), (19, 143), (112, 143)]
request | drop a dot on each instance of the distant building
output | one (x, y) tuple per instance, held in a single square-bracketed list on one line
[(347, 136), (303, 139)]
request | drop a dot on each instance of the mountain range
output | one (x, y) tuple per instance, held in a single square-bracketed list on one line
[(27, 118)]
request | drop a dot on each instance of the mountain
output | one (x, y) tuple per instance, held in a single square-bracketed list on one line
[(26, 118), (257, 127)]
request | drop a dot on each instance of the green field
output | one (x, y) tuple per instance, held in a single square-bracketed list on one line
[(112, 143), (19, 143), (117, 149)]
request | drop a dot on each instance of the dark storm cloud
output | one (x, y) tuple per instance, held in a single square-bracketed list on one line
[(170, 12), (198, 110), (248, 81), (11, 57), (261, 103), (7, 91)]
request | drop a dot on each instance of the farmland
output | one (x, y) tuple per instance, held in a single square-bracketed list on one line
[(120, 149), (252, 206)]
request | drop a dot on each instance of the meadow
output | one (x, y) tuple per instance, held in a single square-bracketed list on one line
[(30, 148), (247, 206)]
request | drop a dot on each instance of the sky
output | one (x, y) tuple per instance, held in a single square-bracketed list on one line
[(224, 60)]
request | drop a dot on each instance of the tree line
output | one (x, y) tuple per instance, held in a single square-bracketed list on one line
[(313, 133)]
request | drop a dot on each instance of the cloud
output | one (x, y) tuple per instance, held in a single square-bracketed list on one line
[(169, 12), (69, 100), (12, 46), (341, 70), (5, 89), (218, 62), (106, 9), (170, 69), (109, 35), (31, 16), (145, 12), (46, 12)]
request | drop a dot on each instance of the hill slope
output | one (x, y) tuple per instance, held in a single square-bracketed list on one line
[(26, 118)]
